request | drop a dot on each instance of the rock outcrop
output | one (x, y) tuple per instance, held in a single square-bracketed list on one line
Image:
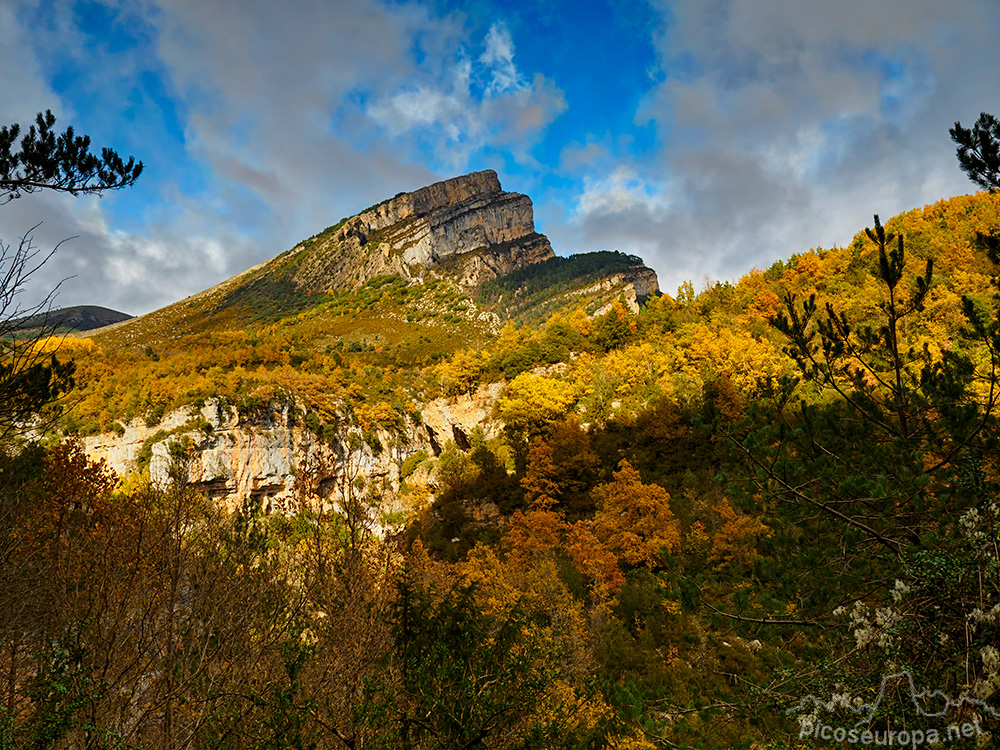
[(266, 457), (467, 226), (635, 285)]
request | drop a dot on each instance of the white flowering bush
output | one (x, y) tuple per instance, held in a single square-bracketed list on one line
[(940, 619)]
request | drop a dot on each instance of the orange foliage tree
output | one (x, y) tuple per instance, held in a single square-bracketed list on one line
[(634, 519)]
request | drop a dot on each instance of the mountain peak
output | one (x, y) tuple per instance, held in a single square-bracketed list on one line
[(467, 227), (428, 199)]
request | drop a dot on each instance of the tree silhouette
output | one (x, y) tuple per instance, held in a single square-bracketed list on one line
[(979, 151), (29, 377), (63, 163)]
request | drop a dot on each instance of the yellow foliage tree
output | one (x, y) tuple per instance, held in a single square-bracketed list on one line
[(736, 354), (633, 368), (539, 483), (380, 415), (462, 372), (762, 302), (531, 402), (580, 322), (66, 347)]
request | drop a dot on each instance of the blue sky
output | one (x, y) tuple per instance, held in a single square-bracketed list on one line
[(707, 136)]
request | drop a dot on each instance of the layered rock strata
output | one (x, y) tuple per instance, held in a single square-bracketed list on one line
[(636, 285), (467, 225)]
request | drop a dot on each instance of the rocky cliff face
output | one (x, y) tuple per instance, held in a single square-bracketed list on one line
[(467, 228), (635, 285), (269, 458), (466, 225)]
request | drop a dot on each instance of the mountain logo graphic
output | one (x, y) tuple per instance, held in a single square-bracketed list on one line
[(921, 700)]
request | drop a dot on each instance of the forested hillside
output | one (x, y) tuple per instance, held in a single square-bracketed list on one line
[(689, 518)]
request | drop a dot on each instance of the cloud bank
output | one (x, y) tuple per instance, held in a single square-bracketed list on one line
[(787, 125), (751, 129)]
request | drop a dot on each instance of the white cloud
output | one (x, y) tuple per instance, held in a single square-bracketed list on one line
[(620, 192), (23, 88), (785, 125), (450, 108), (420, 107), (499, 61)]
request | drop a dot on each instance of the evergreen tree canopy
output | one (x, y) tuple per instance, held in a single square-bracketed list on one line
[(63, 163), (979, 151)]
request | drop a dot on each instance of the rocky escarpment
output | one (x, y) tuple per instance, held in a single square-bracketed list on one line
[(272, 460), (467, 226), (635, 285)]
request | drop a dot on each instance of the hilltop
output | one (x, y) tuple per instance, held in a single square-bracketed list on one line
[(74, 319)]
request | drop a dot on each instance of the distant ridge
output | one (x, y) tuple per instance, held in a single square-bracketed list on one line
[(73, 319)]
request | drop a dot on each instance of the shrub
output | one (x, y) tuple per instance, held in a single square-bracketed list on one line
[(411, 463)]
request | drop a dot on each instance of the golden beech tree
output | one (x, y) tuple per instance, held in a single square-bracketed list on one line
[(530, 402), (761, 301), (539, 483), (462, 372), (535, 541), (580, 322), (633, 368), (804, 274), (634, 519), (595, 561), (561, 469), (738, 355)]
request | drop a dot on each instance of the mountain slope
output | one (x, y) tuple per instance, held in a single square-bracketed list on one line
[(344, 332), (462, 233)]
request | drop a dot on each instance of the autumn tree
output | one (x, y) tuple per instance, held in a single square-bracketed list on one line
[(463, 678), (634, 519), (561, 468), (531, 402), (30, 377)]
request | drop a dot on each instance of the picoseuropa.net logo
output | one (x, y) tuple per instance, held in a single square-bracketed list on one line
[(939, 719)]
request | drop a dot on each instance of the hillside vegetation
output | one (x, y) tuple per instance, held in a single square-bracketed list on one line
[(695, 516)]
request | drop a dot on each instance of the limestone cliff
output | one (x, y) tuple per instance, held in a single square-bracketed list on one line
[(466, 229), (635, 285), (266, 457), (467, 226)]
